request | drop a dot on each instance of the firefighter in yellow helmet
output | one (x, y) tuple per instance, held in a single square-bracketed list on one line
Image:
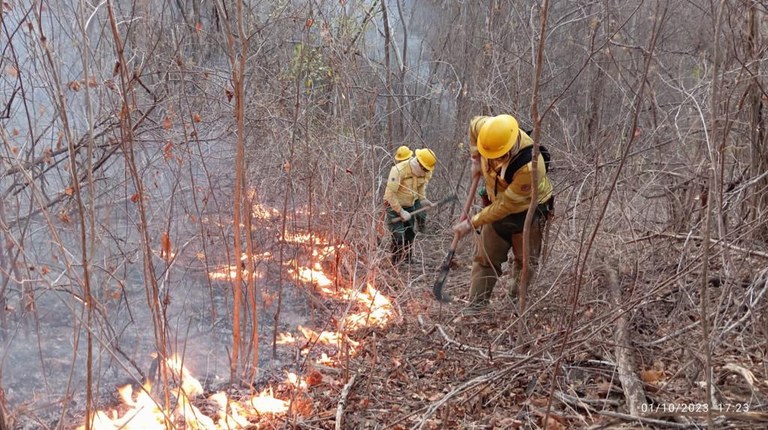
[(403, 153), (406, 192), (502, 153)]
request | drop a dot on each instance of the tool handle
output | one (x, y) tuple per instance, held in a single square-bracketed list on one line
[(424, 209), (467, 207), (442, 276)]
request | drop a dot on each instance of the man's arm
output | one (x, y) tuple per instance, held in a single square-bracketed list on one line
[(514, 199), (393, 184), (421, 192)]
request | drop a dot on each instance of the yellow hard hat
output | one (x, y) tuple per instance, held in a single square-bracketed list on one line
[(426, 158), (403, 153), (497, 136)]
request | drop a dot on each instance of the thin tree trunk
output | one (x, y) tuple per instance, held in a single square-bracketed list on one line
[(127, 138), (758, 155), (388, 73), (401, 90), (707, 233), (526, 275), (237, 64), (253, 340)]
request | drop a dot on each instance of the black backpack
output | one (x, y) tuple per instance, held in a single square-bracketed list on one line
[(524, 157)]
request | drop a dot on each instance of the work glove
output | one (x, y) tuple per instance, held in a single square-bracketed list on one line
[(427, 202), (405, 215), (475, 166), (463, 227)]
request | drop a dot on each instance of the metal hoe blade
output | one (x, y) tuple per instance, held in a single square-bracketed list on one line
[(442, 276)]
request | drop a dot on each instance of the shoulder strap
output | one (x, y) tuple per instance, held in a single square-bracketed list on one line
[(524, 157)]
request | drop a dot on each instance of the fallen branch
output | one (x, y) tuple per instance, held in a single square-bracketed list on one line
[(649, 421), (485, 353), (343, 402), (479, 351), (584, 403), (744, 372), (713, 241), (630, 383)]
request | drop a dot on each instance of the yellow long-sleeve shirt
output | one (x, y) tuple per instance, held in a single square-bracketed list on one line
[(515, 196), (404, 187)]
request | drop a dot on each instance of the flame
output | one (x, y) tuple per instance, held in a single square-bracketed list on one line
[(299, 238), (295, 380), (368, 308), (314, 276), (262, 212), (377, 310), (330, 338), (266, 403), (285, 339), (144, 413), (229, 272), (230, 413), (190, 386)]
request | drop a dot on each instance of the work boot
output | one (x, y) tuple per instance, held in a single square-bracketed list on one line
[(409, 258), (398, 253), (481, 288), (474, 309), (511, 282), (513, 279)]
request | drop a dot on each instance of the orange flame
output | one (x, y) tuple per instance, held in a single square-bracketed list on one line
[(265, 213), (314, 276), (229, 272), (285, 339), (295, 381), (142, 412), (327, 337), (266, 403), (377, 310)]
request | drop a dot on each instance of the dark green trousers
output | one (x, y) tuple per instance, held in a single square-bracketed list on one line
[(403, 234)]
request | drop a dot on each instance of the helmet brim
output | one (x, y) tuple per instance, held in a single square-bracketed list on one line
[(490, 155)]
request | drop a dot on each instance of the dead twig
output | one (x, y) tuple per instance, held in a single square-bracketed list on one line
[(649, 421), (479, 351), (343, 402), (713, 241), (585, 404)]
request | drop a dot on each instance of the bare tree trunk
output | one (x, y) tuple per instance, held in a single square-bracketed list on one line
[(237, 64), (526, 274), (388, 74), (253, 339), (707, 233), (630, 383), (152, 288), (401, 90), (758, 152)]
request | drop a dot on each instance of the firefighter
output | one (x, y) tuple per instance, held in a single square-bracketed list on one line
[(502, 153), (406, 192), (403, 153)]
